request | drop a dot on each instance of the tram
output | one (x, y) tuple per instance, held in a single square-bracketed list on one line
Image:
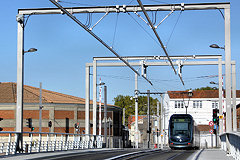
[(183, 132)]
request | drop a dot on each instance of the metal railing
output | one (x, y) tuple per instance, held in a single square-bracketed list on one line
[(45, 142), (234, 142)]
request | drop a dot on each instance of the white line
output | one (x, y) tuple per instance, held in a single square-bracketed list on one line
[(127, 154)]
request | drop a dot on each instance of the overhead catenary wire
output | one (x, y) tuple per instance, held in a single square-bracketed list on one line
[(96, 37), (173, 28), (83, 4), (115, 30), (155, 32), (144, 30)]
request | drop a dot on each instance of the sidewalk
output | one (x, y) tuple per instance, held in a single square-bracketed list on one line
[(212, 154)]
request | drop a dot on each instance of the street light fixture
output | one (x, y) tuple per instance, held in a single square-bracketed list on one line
[(190, 94), (216, 46), (31, 50), (213, 82), (101, 84)]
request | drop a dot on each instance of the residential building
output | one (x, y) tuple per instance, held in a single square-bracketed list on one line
[(64, 111)]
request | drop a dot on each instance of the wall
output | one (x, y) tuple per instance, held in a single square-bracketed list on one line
[(57, 113)]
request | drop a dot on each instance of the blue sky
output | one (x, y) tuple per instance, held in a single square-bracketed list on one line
[(64, 47)]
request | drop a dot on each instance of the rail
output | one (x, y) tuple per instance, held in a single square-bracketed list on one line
[(46, 142), (234, 148)]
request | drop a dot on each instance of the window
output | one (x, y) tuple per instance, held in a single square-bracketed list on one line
[(178, 104), (197, 104), (214, 104)]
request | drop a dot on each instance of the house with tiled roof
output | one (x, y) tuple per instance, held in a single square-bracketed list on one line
[(200, 106), (61, 109)]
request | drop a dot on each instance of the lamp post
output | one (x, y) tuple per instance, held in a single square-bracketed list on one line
[(19, 105), (190, 94), (109, 122), (100, 108)]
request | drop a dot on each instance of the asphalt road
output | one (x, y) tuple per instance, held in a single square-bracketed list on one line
[(99, 155), (153, 155), (167, 155)]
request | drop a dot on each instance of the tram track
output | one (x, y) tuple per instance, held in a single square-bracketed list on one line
[(156, 154)]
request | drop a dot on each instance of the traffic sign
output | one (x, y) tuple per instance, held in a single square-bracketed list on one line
[(211, 123), (211, 131), (221, 117)]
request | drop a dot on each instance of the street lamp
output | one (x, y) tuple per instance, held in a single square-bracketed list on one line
[(30, 50), (101, 84), (19, 109), (216, 46), (190, 94), (100, 107), (213, 83)]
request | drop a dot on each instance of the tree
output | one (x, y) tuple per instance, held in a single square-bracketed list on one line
[(129, 105), (207, 88)]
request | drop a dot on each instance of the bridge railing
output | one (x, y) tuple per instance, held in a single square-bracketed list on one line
[(45, 142), (234, 142)]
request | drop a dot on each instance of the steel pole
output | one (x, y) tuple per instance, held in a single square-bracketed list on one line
[(158, 123), (124, 109), (162, 122), (40, 107), (148, 115), (109, 134), (164, 126), (87, 96), (105, 114), (228, 70), (20, 82), (234, 97), (136, 111), (228, 75), (94, 98), (220, 89)]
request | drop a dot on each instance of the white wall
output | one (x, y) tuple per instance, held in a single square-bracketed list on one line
[(202, 116)]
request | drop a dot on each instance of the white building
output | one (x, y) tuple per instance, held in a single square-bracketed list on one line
[(200, 106)]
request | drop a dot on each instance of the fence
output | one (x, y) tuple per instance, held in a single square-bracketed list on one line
[(45, 142)]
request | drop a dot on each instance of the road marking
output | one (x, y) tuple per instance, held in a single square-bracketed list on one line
[(132, 153), (175, 156)]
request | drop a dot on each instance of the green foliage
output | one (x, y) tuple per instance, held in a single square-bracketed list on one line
[(207, 88), (129, 105)]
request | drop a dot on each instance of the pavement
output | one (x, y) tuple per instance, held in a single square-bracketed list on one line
[(211, 154), (203, 154)]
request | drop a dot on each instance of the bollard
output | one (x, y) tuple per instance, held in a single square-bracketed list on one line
[(26, 150)]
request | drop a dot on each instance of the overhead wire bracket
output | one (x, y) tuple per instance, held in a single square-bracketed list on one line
[(95, 36), (155, 32), (99, 20), (142, 18), (164, 18)]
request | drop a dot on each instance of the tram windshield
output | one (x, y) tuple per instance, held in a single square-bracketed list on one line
[(181, 127)]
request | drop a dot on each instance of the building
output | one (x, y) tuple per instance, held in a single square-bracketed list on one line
[(200, 106), (64, 111)]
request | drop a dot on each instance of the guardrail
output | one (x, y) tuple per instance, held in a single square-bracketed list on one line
[(45, 142), (234, 142)]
